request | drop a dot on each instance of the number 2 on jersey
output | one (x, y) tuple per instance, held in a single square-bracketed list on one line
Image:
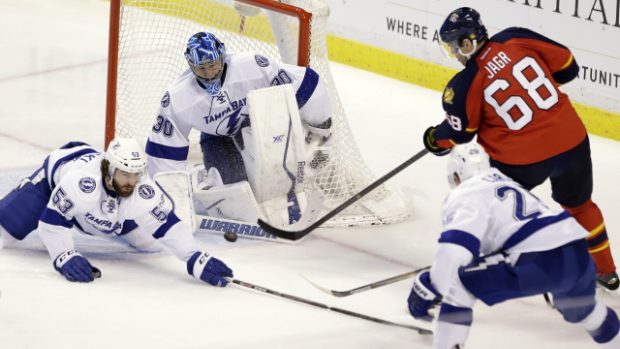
[(531, 86), (519, 209)]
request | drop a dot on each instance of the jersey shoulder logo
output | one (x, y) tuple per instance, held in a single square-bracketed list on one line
[(448, 95), (165, 100), (261, 60), (88, 184), (146, 191)]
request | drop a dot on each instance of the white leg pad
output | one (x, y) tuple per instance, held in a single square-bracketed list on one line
[(177, 185), (232, 201)]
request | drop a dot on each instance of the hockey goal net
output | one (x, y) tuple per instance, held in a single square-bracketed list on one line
[(147, 41)]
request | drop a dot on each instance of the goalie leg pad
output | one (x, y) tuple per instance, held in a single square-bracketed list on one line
[(231, 201)]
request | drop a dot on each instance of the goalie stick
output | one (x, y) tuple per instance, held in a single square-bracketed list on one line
[(298, 234), (262, 289), (370, 286)]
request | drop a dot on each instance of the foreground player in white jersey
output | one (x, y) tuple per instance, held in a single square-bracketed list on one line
[(500, 242), (211, 98), (80, 189)]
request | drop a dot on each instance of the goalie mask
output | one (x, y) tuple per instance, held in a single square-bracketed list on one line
[(205, 55), (466, 161), (125, 155)]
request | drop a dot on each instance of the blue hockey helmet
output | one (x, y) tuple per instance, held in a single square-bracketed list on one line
[(462, 23), (205, 55)]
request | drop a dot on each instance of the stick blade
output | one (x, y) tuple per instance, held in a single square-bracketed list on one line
[(306, 223), (325, 289), (281, 233)]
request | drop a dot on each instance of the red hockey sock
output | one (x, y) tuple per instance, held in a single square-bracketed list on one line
[(591, 218)]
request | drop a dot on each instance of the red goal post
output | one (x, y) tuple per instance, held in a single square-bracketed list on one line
[(303, 53)]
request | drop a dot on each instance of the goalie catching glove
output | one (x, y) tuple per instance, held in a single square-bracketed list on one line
[(209, 269)]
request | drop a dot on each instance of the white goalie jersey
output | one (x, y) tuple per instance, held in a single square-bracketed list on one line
[(186, 105)]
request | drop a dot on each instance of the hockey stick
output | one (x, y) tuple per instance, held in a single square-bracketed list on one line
[(388, 281), (254, 287), (298, 234), (221, 226), (370, 286), (249, 230)]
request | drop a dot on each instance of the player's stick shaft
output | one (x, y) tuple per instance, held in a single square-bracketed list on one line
[(262, 289), (298, 234), (370, 286)]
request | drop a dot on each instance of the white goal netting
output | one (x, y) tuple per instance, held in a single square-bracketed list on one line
[(152, 38)]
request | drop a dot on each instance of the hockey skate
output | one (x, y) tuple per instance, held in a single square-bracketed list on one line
[(609, 281)]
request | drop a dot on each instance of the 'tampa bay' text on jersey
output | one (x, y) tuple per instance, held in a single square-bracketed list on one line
[(80, 199), (508, 94), (186, 105)]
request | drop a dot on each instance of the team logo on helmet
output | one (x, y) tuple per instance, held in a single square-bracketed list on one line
[(262, 61), (146, 191), (165, 101), (88, 185)]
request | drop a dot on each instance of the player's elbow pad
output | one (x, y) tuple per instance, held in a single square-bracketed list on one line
[(567, 75)]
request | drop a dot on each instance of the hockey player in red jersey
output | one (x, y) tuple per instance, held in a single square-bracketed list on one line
[(508, 95)]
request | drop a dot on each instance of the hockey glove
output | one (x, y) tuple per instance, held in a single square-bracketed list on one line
[(423, 297), (208, 269), (74, 267), (431, 144)]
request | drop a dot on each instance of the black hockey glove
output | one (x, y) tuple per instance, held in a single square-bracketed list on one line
[(431, 145)]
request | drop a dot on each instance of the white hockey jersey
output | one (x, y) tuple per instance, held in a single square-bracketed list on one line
[(186, 105), (80, 199), (491, 213)]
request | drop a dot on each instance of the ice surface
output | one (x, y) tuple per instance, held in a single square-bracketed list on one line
[(52, 88)]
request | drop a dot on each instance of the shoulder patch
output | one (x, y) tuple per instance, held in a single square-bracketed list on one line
[(448, 95), (87, 184), (165, 100), (261, 60), (146, 191)]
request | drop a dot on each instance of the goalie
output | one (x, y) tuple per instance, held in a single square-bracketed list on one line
[(241, 166)]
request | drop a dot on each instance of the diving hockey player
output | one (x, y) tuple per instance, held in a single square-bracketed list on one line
[(508, 95), (80, 189), (499, 242), (210, 97)]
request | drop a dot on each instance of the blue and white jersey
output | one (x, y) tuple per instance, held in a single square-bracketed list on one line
[(491, 213), (186, 105), (80, 199)]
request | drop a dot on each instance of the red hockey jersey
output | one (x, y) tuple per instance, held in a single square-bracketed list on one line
[(508, 94)]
